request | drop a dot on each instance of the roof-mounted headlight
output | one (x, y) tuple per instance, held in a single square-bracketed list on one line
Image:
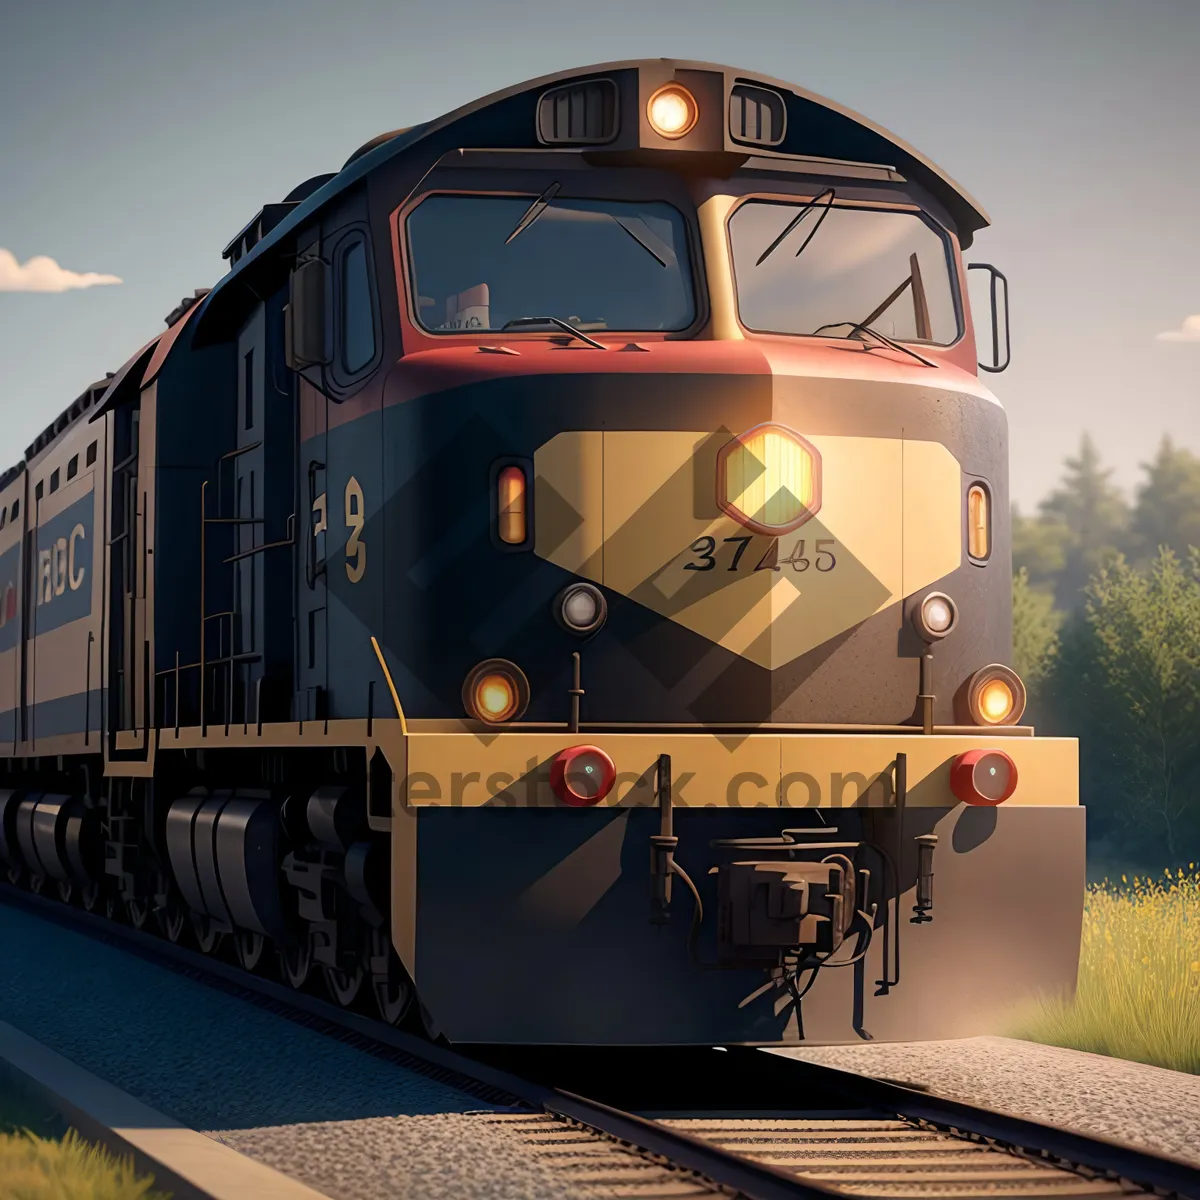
[(672, 111)]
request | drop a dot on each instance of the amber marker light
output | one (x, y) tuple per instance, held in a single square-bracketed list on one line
[(511, 507), (496, 691), (582, 775), (985, 777), (979, 522), (996, 696), (672, 111)]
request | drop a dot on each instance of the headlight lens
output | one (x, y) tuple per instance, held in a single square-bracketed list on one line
[(935, 616), (672, 111), (996, 696), (581, 608), (496, 691)]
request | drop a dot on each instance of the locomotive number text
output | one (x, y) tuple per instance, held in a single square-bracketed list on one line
[(819, 555)]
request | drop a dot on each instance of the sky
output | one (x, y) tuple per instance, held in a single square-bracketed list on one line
[(136, 138)]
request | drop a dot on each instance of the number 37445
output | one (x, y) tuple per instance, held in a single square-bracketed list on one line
[(730, 555)]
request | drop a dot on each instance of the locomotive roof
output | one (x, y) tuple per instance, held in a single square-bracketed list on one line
[(828, 130)]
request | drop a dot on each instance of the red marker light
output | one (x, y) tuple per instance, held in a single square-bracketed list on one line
[(983, 777), (582, 775)]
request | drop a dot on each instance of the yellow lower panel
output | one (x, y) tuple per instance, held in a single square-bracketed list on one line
[(792, 770)]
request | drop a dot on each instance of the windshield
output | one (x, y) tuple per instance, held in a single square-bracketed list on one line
[(483, 262), (816, 268)]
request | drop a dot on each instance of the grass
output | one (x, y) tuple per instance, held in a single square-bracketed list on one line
[(35, 1168), (1139, 975), (42, 1159)]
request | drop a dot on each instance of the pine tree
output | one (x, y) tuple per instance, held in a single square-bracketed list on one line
[(1167, 512), (1039, 548), (1096, 519)]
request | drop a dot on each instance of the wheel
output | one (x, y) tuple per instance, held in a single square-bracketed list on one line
[(208, 936), (13, 874), (66, 889), (250, 948), (171, 919), (344, 986), (89, 897), (137, 912), (393, 992), (36, 883), (296, 963), (393, 997)]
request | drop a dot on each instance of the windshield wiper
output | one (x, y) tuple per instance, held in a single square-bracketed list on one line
[(887, 341), (796, 221), (858, 328), (563, 325), (534, 211), (647, 239)]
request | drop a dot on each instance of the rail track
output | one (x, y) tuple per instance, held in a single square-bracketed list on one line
[(687, 1123)]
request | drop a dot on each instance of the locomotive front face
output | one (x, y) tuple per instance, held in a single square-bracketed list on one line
[(703, 515)]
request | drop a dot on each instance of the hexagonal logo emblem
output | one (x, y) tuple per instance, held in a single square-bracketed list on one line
[(769, 479)]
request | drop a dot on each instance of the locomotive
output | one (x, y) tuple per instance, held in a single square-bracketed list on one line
[(555, 588)]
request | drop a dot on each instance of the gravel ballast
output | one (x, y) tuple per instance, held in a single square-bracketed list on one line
[(443, 1156), (1131, 1102)]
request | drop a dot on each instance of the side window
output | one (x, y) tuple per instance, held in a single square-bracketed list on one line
[(356, 308), (37, 491), (73, 466), (91, 454), (3, 517), (16, 512), (54, 480)]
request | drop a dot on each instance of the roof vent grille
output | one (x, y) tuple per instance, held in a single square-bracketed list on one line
[(757, 115), (578, 114)]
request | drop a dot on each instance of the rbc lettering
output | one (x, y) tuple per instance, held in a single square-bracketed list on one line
[(62, 566)]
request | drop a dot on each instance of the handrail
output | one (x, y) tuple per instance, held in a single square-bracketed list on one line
[(391, 686)]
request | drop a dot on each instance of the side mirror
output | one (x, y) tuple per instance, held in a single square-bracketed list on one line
[(996, 295), (308, 318)]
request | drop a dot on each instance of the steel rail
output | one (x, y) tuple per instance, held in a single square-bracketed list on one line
[(744, 1178), (1102, 1159)]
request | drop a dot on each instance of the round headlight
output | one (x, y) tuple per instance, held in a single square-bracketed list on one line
[(996, 696), (672, 111), (581, 608), (496, 691), (935, 616), (582, 775)]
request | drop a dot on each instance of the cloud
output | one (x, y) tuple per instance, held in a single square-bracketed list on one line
[(1189, 331), (42, 274)]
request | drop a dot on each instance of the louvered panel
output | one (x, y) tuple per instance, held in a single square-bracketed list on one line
[(579, 114), (757, 116)]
